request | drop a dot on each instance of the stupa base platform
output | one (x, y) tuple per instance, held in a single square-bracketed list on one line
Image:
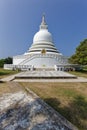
[(45, 75)]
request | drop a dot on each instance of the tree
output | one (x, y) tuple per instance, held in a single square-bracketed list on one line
[(80, 56), (8, 60), (2, 61), (5, 61)]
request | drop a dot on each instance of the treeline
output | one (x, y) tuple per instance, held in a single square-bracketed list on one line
[(80, 56), (5, 61)]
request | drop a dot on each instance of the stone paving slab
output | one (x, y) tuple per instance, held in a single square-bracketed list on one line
[(8, 78), (44, 74), (47, 77), (26, 111), (79, 79)]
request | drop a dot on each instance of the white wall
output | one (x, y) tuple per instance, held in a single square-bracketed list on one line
[(17, 61), (40, 61)]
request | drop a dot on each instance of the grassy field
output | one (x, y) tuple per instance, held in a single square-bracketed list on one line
[(9, 87), (4, 73), (80, 73), (69, 99)]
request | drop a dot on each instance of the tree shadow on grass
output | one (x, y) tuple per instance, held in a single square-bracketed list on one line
[(54, 102), (75, 112)]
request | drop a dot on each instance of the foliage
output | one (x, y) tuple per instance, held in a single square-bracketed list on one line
[(2, 62), (8, 60), (80, 56), (5, 61)]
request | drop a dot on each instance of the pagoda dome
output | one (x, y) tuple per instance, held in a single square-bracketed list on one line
[(42, 40), (42, 36)]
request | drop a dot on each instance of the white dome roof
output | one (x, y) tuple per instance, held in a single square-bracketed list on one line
[(43, 40), (42, 35)]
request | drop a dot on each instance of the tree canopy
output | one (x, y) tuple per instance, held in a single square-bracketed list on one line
[(80, 56), (5, 61)]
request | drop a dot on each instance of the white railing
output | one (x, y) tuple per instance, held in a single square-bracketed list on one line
[(20, 67)]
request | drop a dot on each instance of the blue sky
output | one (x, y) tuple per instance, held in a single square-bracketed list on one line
[(20, 20)]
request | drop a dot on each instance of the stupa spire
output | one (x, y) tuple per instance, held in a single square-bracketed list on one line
[(43, 23), (43, 19)]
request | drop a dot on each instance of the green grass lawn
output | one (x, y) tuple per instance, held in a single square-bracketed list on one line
[(79, 73), (69, 99), (4, 73)]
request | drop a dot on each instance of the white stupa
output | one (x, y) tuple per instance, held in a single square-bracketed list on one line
[(42, 53)]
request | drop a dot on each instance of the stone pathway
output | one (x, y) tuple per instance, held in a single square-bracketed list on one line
[(50, 76), (24, 110), (79, 79), (44, 74), (8, 78)]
